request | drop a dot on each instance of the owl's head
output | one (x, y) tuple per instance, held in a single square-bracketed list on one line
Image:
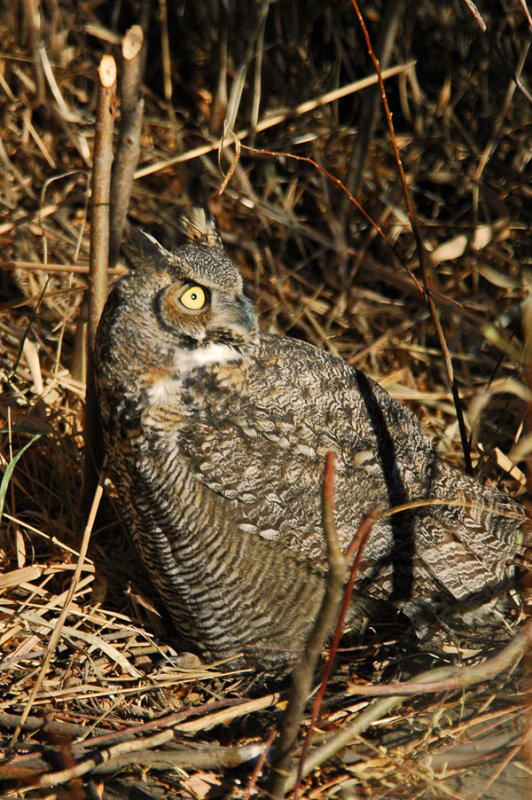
[(195, 292)]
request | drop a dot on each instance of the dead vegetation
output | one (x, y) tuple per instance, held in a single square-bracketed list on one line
[(107, 715)]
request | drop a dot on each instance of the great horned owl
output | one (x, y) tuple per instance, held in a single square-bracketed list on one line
[(216, 435)]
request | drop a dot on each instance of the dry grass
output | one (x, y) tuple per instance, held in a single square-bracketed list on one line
[(317, 270)]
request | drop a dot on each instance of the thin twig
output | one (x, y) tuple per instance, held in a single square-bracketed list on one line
[(516, 77), (275, 118), (428, 277), (104, 756), (477, 15), (368, 116), (101, 181), (165, 52), (32, 19), (259, 765), (78, 269), (464, 676), (227, 715), (343, 187), (357, 546), (304, 671)]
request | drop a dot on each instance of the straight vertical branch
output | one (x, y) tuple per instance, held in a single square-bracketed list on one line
[(357, 546), (526, 580), (304, 670), (32, 19), (165, 52), (100, 195), (128, 150), (99, 261)]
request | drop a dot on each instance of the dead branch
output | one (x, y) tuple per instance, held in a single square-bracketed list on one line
[(304, 671), (370, 102), (33, 25), (99, 262), (275, 118), (128, 150), (114, 759), (356, 547), (103, 159), (75, 269), (226, 715), (510, 655)]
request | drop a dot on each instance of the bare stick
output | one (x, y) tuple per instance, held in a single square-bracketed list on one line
[(304, 671), (516, 77), (99, 259), (103, 159), (369, 105), (250, 789), (165, 51), (219, 106), (128, 149), (342, 186), (477, 15), (462, 677), (357, 546), (103, 756), (166, 61), (142, 752), (80, 269)]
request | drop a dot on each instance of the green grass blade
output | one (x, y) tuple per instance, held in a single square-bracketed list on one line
[(9, 471)]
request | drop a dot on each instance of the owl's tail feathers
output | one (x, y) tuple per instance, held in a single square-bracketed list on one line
[(488, 524), (475, 545)]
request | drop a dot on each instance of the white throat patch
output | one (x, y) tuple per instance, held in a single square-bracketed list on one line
[(164, 389), (187, 360)]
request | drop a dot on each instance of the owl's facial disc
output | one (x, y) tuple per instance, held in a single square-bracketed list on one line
[(205, 314)]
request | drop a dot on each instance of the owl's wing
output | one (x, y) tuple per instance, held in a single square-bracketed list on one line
[(262, 449)]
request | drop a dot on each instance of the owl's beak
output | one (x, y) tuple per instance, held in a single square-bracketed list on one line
[(240, 319), (246, 315), (233, 320)]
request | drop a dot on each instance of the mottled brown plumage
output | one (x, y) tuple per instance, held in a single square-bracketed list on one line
[(216, 435)]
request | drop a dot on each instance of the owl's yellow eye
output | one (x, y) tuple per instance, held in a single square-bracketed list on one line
[(194, 298)]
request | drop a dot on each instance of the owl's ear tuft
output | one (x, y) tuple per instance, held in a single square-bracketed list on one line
[(198, 226), (141, 249)]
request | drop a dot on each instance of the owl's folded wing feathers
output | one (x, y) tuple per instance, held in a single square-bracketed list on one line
[(267, 465)]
